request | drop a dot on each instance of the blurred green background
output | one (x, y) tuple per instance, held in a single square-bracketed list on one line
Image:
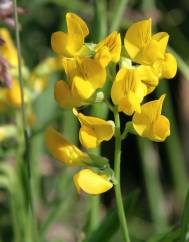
[(154, 176)]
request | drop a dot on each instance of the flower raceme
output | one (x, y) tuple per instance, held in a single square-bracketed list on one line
[(85, 66), (86, 180), (94, 130)]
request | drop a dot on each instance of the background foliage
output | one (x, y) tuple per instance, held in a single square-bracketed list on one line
[(154, 176)]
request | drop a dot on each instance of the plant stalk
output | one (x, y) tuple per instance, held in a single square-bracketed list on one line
[(117, 187)]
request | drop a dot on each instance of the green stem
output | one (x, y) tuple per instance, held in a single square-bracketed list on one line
[(117, 187), (30, 226), (185, 220), (117, 15)]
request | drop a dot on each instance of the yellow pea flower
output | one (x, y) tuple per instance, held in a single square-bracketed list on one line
[(71, 44), (13, 94), (8, 49), (91, 182), (94, 130), (128, 91), (150, 123), (63, 150), (142, 46), (109, 49), (85, 77)]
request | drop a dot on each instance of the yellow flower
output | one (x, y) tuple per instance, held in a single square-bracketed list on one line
[(71, 44), (150, 123), (85, 77), (147, 49), (109, 49), (8, 50), (128, 91), (13, 94), (91, 182), (94, 130), (142, 46), (63, 150)]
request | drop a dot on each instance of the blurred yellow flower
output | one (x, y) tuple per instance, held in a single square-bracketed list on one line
[(63, 150), (109, 49), (8, 49), (13, 94), (150, 123), (94, 130), (71, 44), (128, 91), (91, 182)]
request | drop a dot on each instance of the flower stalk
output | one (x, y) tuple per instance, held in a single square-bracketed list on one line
[(117, 187)]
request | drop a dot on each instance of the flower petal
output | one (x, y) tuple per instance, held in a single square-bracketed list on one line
[(13, 94), (129, 104), (161, 128), (64, 96), (137, 37), (113, 43), (76, 25), (92, 183), (63, 150), (59, 42), (169, 66), (94, 130), (82, 89)]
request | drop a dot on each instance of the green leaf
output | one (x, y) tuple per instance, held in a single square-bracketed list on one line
[(185, 219), (110, 224)]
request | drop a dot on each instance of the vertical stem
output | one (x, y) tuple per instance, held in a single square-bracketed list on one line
[(23, 111), (117, 187), (117, 15), (25, 169), (100, 20)]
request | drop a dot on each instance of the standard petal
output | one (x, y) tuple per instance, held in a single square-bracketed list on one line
[(137, 37), (92, 71), (76, 25), (59, 41), (91, 183), (63, 150)]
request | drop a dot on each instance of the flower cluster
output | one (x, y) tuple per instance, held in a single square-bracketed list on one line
[(142, 62)]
